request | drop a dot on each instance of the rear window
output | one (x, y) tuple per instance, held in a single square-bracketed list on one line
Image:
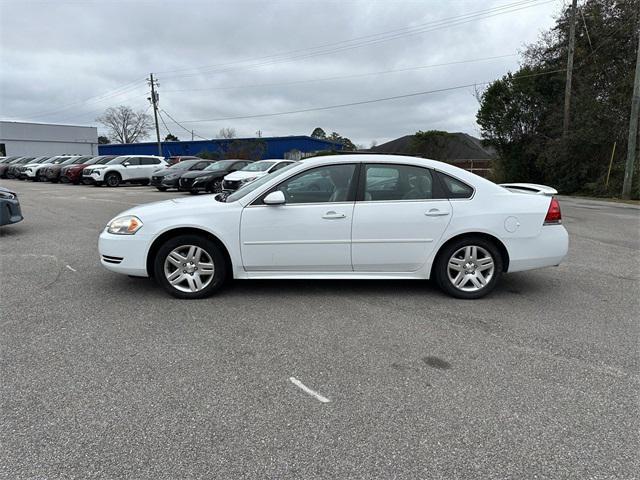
[(456, 188)]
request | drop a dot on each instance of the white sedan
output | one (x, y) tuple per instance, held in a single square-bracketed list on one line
[(342, 217)]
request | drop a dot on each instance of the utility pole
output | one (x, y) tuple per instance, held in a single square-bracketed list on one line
[(567, 88), (633, 129), (192, 135), (154, 102)]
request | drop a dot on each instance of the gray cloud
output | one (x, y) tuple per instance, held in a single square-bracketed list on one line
[(55, 55)]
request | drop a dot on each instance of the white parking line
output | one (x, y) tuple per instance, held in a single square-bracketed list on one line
[(306, 389), (71, 268)]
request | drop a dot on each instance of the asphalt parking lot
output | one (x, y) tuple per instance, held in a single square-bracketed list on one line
[(105, 376)]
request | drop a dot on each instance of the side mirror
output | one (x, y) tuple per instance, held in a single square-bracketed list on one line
[(126, 164), (275, 198)]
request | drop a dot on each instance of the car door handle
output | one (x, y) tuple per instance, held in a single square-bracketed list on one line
[(333, 215), (434, 212)]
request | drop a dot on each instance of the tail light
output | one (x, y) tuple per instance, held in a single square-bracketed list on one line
[(554, 216)]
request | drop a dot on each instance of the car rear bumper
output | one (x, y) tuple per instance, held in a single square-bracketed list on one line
[(125, 254), (546, 250)]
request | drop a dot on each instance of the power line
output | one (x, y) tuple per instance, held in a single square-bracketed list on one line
[(122, 90), (342, 77), (410, 31), (183, 127), (164, 123), (373, 39), (364, 102)]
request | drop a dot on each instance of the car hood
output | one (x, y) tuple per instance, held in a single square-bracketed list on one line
[(176, 208), (203, 173), (163, 172), (240, 175)]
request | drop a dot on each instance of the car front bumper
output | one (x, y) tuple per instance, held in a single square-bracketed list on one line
[(10, 211), (125, 254), (163, 182)]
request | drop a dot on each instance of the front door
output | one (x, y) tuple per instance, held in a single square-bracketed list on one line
[(402, 215), (311, 232)]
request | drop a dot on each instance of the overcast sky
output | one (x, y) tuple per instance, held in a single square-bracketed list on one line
[(65, 61)]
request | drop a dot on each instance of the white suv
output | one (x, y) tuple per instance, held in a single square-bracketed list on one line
[(124, 169), (33, 171)]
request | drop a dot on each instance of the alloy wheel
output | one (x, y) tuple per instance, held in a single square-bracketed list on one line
[(216, 187), (189, 268), (470, 268)]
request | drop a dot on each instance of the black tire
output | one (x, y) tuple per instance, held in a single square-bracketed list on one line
[(218, 258), (162, 189), (193, 192), (215, 186), (112, 179), (442, 268)]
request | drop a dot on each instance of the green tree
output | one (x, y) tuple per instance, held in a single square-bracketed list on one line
[(171, 138), (103, 140), (347, 144), (318, 133), (521, 113)]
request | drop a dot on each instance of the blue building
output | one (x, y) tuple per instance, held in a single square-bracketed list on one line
[(256, 148)]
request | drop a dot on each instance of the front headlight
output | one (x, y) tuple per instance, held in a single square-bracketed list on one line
[(202, 179), (127, 225), (247, 180)]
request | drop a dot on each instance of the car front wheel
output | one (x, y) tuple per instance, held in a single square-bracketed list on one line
[(190, 267), (469, 268), (112, 180), (216, 186)]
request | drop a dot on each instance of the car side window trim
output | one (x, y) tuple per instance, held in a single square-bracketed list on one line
[(440, 179), (351, 196), (439, 191)]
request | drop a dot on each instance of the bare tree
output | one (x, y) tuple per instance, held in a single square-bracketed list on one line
[(126, 125), (227, 133)]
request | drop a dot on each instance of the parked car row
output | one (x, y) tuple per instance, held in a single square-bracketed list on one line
[(188, 174)]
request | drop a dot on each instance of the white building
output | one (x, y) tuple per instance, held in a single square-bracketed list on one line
[(35, 139)]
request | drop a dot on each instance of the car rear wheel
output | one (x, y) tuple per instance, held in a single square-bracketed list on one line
[(162, 189), (112, 180), (190, 267), (469, 268)]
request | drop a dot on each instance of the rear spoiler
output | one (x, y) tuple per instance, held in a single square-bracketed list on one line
[(532, 188)]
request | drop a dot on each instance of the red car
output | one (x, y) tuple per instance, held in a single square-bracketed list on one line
[(73, 173)]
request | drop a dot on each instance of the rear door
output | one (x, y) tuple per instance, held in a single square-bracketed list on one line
[(400, 215), (148, 166)]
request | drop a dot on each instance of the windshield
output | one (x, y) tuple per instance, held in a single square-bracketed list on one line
[(93, 161), (70, 160), (79, 160), (258, 166), (221, 165), (237, 195), (58, 161), (184, 165), (104, 160)]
